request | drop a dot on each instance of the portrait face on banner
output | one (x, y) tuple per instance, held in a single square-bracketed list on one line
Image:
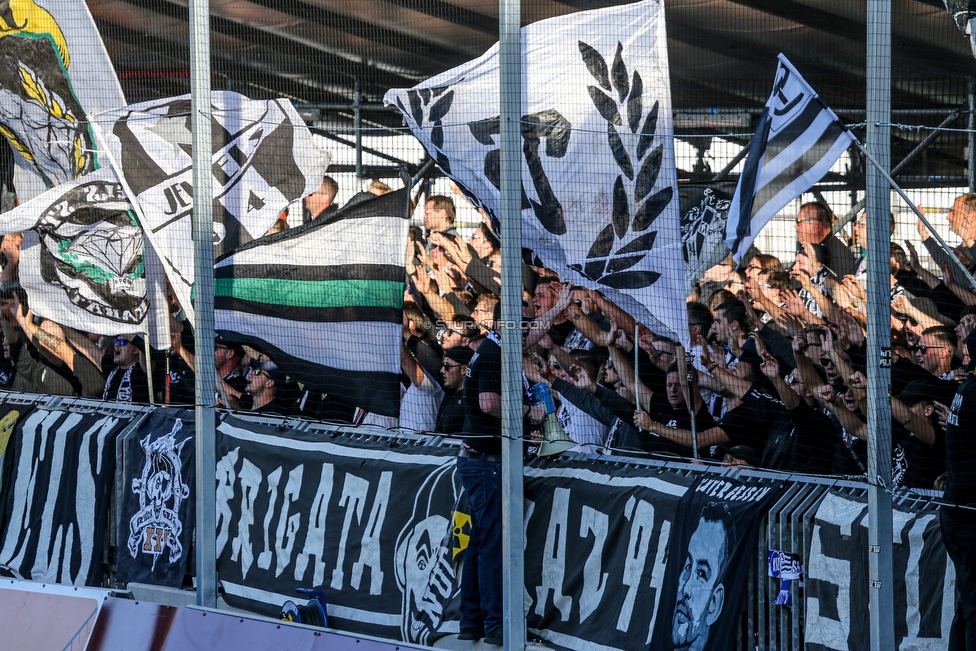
[(701, 591), (429, 580), (713, 536)]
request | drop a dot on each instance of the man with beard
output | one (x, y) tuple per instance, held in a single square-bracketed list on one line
[(127, 382), (701, 593), (450, 416), (264, 386)]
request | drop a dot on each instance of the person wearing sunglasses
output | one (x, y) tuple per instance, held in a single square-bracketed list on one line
[(127, 381), (935, 351), (264, 384), (450, 416)]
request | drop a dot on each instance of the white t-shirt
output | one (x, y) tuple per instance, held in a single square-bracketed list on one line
[(419, 405)]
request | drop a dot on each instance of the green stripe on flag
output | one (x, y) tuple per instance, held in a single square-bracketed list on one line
[(297, 293)]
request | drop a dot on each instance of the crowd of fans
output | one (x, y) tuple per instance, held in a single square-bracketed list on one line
[(777, 352)]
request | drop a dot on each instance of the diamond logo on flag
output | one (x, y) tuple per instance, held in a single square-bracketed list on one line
[(82, 258)]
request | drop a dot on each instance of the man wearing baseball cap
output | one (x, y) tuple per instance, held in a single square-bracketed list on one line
[(265, 384), (450, 416)]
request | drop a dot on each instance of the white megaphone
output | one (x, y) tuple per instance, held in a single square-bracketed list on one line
[(554, 437)]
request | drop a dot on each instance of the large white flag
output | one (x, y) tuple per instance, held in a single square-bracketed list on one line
[(600, 200), (263, 159), (83, 261), (55, 74), (797, 141)]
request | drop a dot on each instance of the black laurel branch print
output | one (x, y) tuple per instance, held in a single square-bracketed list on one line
[(596, 64), (618, 74), (429, 107), (618, 92), (634, 105), (620, 152)]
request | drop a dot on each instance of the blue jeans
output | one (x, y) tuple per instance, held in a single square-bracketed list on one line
[(481, 574)]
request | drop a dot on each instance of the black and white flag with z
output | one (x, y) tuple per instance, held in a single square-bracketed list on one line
[(796, 143)]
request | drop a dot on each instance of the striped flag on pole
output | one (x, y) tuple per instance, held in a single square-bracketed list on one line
[(796, 142), (325, 301)]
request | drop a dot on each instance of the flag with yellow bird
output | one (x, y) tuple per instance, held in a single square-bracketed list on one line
[(54, 74), (86, 267)]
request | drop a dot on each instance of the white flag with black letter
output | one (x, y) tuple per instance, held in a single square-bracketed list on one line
[(797, 141), (263, 159), (599, 187)]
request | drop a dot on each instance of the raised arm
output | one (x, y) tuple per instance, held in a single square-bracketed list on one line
[(617, 344), (919, 426), (55, 345), (770, 368), (84, 346), (707, 438), (803, 365), (847, 419)]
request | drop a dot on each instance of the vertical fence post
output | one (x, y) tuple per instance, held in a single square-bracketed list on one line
[(510, 114), (878, 197), (971, 124), (357, 112), (203, 326)]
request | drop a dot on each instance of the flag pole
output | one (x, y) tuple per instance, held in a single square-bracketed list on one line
[(690, 370), (203, 313), (149, 369), (510, 172), (636, 364), (918, 213)]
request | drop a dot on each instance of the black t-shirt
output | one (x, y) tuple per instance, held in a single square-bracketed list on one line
[(753, 422), (276, 406), (808, 446), (450, 417), (661, 411), (913, 463), (960, 445), (181, 382), (484, 375), (850, 453)]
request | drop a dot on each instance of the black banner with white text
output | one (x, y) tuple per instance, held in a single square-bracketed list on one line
[(837, 578), (370, 526), (57, 495)]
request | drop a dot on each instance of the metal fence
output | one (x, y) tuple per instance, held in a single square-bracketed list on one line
[(788, 525)]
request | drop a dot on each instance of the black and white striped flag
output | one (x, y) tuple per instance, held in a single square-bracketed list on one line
[(797, 141), (325, 301)]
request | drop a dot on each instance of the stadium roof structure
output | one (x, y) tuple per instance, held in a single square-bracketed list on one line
[(324, 54)]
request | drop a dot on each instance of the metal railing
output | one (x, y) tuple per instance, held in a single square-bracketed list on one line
[(788, 525)]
